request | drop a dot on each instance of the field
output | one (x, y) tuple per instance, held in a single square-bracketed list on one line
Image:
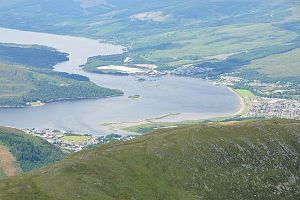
[(244, 93), (149, 127), (195, 45), (241, 160), (77, 139), (246, 96)]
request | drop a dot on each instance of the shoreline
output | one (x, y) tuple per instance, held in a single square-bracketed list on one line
[(242, 103), (122, 126), (59, 100), (73, 65)]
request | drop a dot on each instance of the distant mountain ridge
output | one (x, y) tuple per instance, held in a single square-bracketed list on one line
[(190, 38)]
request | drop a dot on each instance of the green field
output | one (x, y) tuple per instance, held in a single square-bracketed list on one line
[(77, 139), (244, 93), (242, 160), (149, 127), (216, 41), (246, 96)]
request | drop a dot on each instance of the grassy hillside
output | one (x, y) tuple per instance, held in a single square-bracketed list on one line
[(285, 65), (170, 33), (246, 160), (30, 152)]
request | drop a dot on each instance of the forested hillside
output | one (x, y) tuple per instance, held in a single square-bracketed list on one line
[(235, 160), (19, 86), (30, 152), (32, 56), (26, 77)]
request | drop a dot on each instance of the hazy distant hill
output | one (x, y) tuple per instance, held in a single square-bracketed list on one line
[(215, 37), (245, 160)]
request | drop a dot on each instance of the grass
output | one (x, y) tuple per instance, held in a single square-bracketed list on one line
[(191, 46), (285, 65), (245, 93), (246, 96), (242, 160), (77, 139), (148, 127), (216, 41)]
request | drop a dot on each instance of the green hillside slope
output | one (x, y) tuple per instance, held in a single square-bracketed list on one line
[(246, 160), (285, 65), (30, 152)]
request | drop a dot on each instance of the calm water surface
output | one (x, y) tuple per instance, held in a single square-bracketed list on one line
[(192, 98)]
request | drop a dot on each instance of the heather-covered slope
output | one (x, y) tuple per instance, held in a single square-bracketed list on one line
[(245, 160)]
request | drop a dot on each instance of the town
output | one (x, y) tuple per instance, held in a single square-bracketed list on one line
[(281, 108), (266, 101), (74, 142)]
